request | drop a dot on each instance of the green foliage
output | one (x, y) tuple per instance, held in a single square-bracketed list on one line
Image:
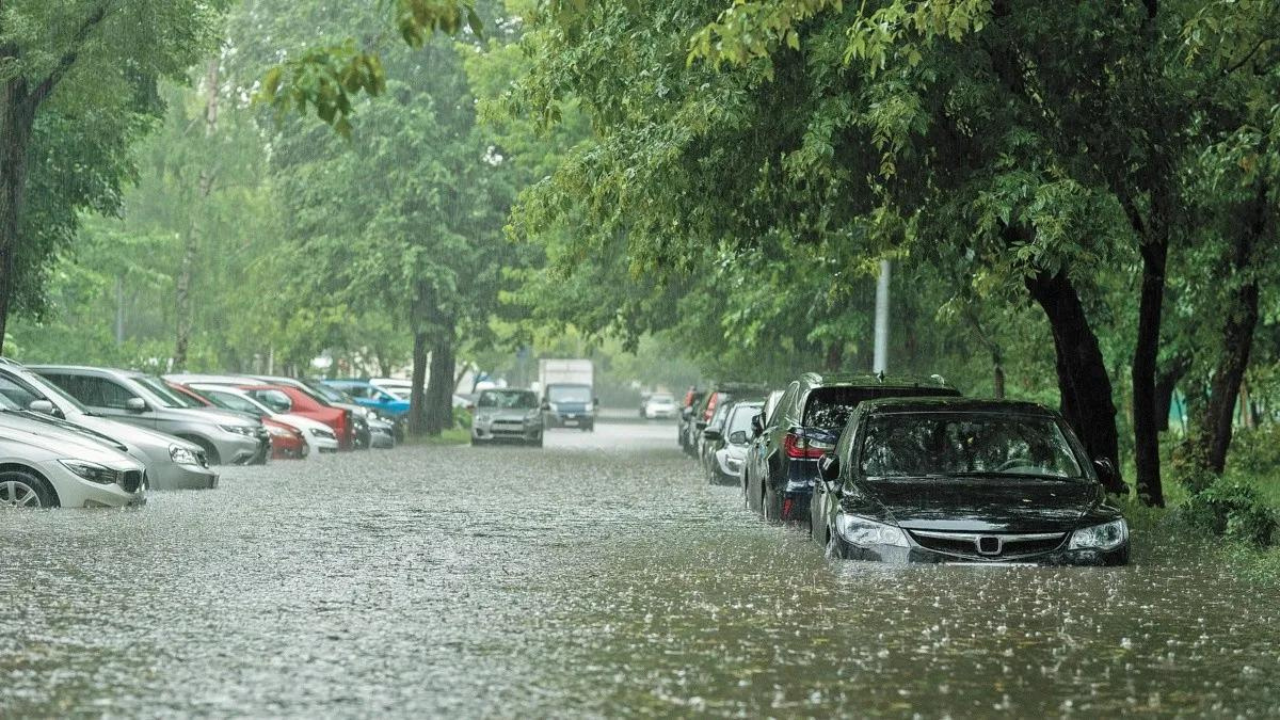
[(1234, 510)]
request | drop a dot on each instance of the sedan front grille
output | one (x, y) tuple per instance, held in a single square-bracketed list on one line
[(992, 546)]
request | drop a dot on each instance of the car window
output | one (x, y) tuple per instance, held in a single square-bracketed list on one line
[(511, 400), (829, 407), (277, 400), (785, 404), (741, 419), (18, 394), (99, 392), (721, 411), (941, 445), (231, 401), (569, 394), (165, 394)]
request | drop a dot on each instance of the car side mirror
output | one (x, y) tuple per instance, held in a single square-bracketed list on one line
[(596, 402), (135, 405), (757, 424), (43, 407), (829, 468), (738, 437), (1106, 471), (711, 434)]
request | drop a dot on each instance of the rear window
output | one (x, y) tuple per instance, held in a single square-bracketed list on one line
[(830, 408)]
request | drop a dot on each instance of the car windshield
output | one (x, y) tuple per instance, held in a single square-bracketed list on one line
[(569, 394), (661, 399), (232, 401), (326, 394), (167, 396), (508, 400), (829, 408), (940, 445)]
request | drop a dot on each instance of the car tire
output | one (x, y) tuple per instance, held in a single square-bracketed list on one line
[(25, 489), (771, 504), (538, 442), (477, 442), (835, 548)]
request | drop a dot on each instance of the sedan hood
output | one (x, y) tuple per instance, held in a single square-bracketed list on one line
[(985, 505), (57, 441), (505, 413)]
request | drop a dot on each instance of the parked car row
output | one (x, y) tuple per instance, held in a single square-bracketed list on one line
[(76, 436), (908, 470)]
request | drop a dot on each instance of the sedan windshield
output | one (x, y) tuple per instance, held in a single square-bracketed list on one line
[(508, 400), (939, 445), (167, 396)]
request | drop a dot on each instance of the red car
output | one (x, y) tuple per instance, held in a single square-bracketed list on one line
[(286, 399), (287, 442)]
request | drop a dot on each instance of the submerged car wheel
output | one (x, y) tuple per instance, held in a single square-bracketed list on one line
[(23, 490), (538, 442), (772, 506)]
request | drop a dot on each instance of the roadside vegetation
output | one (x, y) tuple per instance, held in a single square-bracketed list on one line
[(1079, 201)]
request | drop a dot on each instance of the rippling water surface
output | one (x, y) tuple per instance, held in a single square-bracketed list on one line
[(599, 576)]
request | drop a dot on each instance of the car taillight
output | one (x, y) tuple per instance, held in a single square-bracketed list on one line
[(798, 446), (711, 407)]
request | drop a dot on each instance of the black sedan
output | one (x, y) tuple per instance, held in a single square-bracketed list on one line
[(950, 480)]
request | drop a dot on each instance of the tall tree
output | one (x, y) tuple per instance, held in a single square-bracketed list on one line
[(81, 60)]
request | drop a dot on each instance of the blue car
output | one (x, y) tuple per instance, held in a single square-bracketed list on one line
[(368, 395)]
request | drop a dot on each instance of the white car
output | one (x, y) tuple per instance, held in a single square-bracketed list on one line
[(45, 466), (660, 405), (318, 435)]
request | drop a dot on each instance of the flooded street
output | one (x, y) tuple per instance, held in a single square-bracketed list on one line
[(600, 576)]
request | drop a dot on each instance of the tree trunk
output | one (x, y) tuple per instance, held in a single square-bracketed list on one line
[(17, 119), (1082, 374), (417, 399), (440, 386), (1237, 342), (1146, 426), (192, 240), (1166, 383), (997, 379)]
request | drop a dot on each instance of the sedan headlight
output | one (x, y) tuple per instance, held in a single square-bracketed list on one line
[(322, 433), (93, 472), (865, 531), (276, 431), (371, 415), (183, 456), (246, 430), (1106, 536)]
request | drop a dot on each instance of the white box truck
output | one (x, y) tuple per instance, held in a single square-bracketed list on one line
[(568, 393)]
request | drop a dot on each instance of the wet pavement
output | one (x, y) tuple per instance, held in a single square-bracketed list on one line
[(598, 577)]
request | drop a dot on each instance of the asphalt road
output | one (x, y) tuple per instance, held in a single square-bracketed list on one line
[(597, 577)]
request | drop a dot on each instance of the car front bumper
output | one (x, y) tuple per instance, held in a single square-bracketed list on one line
[(917, 554), (527, 432), (76, 492), (236, 449), (172, 476)]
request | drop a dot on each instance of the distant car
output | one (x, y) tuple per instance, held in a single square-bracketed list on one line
[(317, 434), (146, 401), (716, 395), (287, 442), (686, 419), (171, 462), (285, 399), (42, 466), (979, 481), (371, 396), (727, 445), (660, 405), (507, 415), (782, 463)]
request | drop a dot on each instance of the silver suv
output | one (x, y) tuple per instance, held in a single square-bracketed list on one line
[(143, 400)]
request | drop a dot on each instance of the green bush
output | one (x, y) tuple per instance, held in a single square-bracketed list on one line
[(1234, 510), (462, 418), (1187, 468), (1256, 451)]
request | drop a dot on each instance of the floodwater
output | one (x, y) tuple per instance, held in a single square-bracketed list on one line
[(598, 577)]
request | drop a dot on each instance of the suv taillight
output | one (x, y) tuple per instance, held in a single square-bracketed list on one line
[(796, 445), (711, 407)]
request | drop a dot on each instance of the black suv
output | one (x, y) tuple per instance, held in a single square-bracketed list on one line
[(688, 409), (782, 463)]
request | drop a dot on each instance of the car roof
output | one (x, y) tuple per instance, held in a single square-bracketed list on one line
[(955, 404), (873, 380)]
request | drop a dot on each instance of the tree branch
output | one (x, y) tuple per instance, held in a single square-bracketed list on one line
[(68, 59), (1236, 66)]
